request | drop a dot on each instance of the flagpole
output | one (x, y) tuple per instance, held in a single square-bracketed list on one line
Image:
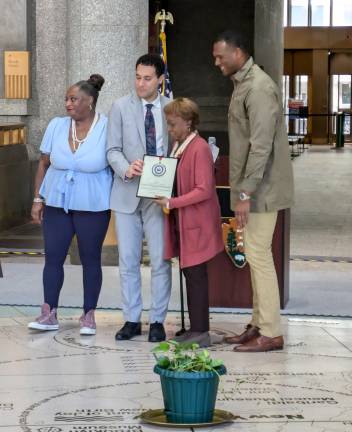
[(164, 17)]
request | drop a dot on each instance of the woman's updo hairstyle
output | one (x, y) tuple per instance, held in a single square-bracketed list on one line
[(92, 86)]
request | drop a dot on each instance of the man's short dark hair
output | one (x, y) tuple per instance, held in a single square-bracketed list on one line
[(236, 39), (152, 60)]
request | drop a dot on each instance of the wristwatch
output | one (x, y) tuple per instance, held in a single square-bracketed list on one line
[(244, 197)]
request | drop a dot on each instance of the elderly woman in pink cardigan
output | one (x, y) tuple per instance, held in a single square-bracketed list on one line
[(193, 222)]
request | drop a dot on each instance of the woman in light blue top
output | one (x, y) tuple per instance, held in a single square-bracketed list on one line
[(72, 192)]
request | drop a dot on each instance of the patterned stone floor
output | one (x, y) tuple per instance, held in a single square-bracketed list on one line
[(62, 382)]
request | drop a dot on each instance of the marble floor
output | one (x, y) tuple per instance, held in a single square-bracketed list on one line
[(63, 382), (320, 218)]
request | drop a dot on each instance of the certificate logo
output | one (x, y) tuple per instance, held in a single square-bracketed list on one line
[(159, 169)]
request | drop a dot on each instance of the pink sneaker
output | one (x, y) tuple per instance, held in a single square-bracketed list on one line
[(46, 321), (87, 322)]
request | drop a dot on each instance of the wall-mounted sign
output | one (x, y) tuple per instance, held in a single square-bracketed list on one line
[(12, 134), (16, 74)]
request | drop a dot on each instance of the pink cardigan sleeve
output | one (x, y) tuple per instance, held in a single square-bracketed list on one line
[(203, 167)]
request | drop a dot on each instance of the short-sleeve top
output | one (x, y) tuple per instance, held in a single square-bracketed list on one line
[(80, 180)]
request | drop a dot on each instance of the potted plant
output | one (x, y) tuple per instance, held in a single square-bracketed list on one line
[(189, 381)]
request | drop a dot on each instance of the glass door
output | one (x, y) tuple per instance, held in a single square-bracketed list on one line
[(301, 93), (285, 98), (341, 101)]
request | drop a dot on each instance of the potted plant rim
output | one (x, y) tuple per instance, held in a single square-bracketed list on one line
[(189, 381)]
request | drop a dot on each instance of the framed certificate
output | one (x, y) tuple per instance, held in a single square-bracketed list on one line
[(158, 177)]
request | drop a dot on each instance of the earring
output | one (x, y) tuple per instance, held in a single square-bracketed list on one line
[(90, 107)]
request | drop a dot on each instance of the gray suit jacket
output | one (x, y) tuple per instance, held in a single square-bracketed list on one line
[(126, 143)]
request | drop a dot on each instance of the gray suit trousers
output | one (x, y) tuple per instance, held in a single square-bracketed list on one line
[(148, 220)]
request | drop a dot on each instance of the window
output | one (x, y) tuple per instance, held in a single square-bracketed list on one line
[(342, 98), (341, 92), (301, 93), (285, 92), (335, 93), (323, 13), (285, 97), (301, 88), (285, 13), (342, 13), (320, 10), (299, 13)]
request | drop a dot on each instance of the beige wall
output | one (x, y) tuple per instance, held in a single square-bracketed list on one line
[(340, 63), (318, 38)]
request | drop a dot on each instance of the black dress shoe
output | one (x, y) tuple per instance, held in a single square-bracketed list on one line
[(156, 332), (129, 330)]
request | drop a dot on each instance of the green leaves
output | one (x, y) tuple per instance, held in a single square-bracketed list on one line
[(216, 363), (163, 346), (163, 362), (184, 357)]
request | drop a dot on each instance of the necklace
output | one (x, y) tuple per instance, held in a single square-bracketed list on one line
[(76, 143)]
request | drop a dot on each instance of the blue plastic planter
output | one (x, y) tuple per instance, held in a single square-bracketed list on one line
[(189, 397)]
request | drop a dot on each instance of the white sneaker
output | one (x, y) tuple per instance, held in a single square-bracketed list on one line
[(87, 323), (46, 321)]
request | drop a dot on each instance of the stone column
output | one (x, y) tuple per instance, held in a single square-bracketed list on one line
[(106, 37), (319, 95), (268, 37), (49, 64)]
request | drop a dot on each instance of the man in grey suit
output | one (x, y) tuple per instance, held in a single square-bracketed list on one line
[(136, 127)]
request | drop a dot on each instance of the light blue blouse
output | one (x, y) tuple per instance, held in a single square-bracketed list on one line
[(80, 180)]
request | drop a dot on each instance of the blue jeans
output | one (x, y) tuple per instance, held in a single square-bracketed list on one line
[(59, 228)]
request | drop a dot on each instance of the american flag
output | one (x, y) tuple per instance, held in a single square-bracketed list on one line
[(165, 87)]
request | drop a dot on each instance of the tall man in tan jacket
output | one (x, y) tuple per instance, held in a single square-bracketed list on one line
[(261, 181)]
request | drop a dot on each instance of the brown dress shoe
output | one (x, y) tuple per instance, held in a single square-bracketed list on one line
[(262, 344), (250, 333)]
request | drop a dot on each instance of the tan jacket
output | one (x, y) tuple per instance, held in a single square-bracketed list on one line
[(260, 161)]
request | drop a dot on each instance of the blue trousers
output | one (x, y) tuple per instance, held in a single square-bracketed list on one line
[(59, 228)]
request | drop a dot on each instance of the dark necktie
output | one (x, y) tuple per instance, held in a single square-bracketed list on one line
[(150, 135)]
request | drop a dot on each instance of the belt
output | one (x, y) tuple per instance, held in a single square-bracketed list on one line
[(65, 187)]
